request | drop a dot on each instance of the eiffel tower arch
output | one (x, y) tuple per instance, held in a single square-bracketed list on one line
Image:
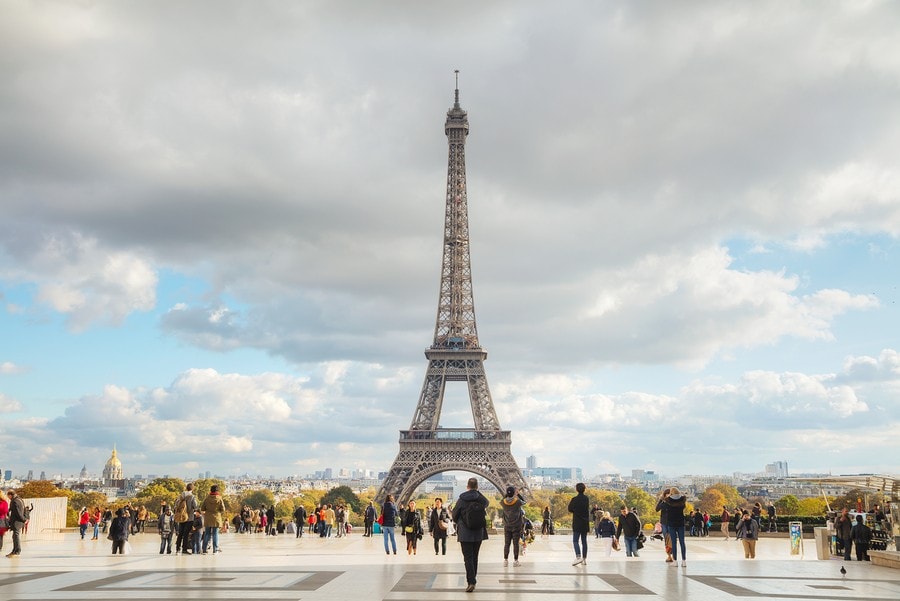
[(426, 448)]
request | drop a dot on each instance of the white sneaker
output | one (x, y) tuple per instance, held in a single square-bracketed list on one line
[(516, 563), (577, 561), (505, 563), (683, 563)]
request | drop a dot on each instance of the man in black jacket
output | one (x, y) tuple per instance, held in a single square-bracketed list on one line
[(470, 537), (630, 525), (579, 507), (300, 519), (16, 521)]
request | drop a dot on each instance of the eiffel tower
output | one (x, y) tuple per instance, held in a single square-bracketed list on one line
[(426, 448)]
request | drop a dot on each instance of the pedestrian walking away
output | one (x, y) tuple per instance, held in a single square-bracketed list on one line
[(579, 507), (470, 516)]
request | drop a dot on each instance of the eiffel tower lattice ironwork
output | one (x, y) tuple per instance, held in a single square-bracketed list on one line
[(426, 448)]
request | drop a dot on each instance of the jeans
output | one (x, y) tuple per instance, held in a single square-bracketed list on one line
[(16, 528), (388, 531), (96, 530), (442, 541), (183, 540), (582, 536), (631, 549), (165, 543), (211, 533), (82, 528), (512, 537), (677, 532), (195, 542), (470, 558)]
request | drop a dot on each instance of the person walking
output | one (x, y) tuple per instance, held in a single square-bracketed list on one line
[(183, 517), (84, 520), (438, 522), (546, 522), (17, 519), (300, 519), (748, 532), (771, 511), (412, 528), (388, 523), (4, 516), (579, 507), (118, 532), (607, 530), (513, 523), (213, 508), (165, 525), (675, 504), (861, 535), (471, 528), (843, 526), (369, 518), (663, 508), (726, 518), (630, 526)]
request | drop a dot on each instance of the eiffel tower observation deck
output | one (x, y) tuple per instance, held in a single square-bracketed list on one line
[(455, 355)]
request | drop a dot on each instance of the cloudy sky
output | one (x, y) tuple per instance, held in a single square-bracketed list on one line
[(221, 231)]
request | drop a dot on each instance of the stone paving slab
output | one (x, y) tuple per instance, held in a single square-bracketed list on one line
[(255, 567)]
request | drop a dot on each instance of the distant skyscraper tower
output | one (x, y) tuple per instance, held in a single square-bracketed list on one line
[(43, 475), (113, 469), (84, 473), (30, 476), (778, 469), (531, 462), (7, 475)]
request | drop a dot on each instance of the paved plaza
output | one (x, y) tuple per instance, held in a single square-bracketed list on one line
[(62, 566)]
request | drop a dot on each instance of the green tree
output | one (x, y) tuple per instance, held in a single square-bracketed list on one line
[(812, 506), (175, 485), (342, 495), (643, 502), (202, 487), (255, 498), (788, 505), (154, 495)]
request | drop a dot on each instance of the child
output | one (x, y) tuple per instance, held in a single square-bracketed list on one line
[(196, 531)]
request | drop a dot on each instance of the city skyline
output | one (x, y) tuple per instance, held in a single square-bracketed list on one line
[(221, 236)]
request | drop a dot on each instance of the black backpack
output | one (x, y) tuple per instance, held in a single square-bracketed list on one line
[(473, 515)]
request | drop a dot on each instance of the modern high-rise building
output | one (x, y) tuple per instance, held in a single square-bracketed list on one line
[(531, 462), (777, 469)]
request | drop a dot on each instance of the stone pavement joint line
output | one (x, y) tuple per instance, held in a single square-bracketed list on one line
[(258, 568)]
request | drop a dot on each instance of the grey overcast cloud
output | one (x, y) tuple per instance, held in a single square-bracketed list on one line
[(221, 231)]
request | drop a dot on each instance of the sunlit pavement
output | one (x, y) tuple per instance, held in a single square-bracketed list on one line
[(280, 568)]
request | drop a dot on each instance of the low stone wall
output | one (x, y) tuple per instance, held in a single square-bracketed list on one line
[(888, 559)]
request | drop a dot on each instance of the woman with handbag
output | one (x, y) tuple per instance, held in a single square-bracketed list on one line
[(439, 523), (412, 527)]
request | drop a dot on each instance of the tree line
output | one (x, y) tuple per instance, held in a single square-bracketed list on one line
[(709, 501)]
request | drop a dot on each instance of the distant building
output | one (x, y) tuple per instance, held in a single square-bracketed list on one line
[(30, 476), (112, 472), (7, 475), (84, 473), (778, 469), (531, 463), (555, 473)]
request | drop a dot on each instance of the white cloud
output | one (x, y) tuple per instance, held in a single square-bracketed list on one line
[(10, 368), (75, 275)]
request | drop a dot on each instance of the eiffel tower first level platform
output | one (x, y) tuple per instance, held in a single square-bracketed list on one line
[(427, 449)]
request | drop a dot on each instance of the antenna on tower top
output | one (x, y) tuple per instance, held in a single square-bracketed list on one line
[(457, 88)]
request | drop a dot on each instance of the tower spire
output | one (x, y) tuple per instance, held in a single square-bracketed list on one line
[(456, 103)]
